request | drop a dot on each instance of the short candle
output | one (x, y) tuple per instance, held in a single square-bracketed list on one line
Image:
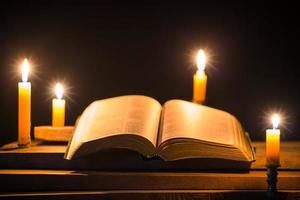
[(24, 107), (200, 79), (58, 107), (273, 143)]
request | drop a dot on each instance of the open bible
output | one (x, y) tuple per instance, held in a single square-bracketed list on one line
[(175, 131)]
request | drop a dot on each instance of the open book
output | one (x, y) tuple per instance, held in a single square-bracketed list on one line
[(175, 131)]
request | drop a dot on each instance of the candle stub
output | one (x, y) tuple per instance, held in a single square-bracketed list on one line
[(58, 108), (199, 87), (58, 112), (273, 147)]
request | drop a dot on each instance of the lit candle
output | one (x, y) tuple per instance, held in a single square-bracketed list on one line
[(58, 107), (273, 143), (200, 79), (24, 112)]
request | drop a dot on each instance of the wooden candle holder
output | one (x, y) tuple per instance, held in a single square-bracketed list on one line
[(54, 134)]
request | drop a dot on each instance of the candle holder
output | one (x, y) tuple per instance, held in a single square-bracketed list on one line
[(54, 134), (272, 182), (23, 146)]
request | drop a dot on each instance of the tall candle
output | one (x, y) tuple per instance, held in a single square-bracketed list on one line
[(273, 143), (58, 107), (24, 111), (200, 79)]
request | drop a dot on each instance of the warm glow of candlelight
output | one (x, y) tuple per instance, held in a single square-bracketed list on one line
[(25, 70), (200, 79), (273, 142), (58, 107), (275, 121), (59, 90), (24, 106), (201, 60)]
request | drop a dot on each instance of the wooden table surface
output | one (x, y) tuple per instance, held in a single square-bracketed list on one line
[(70, 183)]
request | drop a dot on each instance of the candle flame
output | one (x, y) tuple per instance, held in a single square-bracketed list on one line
[(275, 121), (59, 90), (201, 60), (25, 70)]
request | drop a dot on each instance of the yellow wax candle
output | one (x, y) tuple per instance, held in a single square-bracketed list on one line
[(58, 107), (273, 143), (24, 111), (200, 79)]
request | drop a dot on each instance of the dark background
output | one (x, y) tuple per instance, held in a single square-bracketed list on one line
[(102, 49)]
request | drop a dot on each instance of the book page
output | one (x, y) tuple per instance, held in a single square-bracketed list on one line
[(132, 114), (182, 119)]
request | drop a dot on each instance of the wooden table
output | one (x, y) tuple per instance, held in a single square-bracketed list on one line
[(40, 172)]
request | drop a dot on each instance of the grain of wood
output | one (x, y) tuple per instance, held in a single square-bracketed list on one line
[(97, 180), (289, 158)]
